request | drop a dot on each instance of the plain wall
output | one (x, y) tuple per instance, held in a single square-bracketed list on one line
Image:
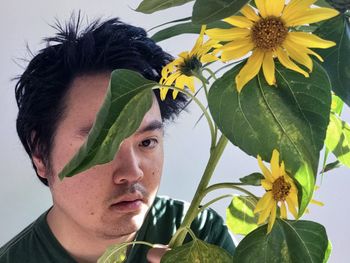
[(23, 198)]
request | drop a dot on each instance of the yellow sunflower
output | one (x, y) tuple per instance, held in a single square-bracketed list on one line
[(186, 68), (267, 33), (280, 189)]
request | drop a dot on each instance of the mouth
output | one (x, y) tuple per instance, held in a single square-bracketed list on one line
[(128, 203)]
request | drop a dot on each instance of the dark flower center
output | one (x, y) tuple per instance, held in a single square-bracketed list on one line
[(280, 189), (269, 33), (191, 66)]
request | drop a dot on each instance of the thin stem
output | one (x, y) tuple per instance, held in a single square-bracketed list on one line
[(213, 201), (201, 106), (235, 186), (191, 233), (192, 212), (212, 74)]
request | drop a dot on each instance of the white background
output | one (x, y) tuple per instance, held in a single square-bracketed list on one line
[(23, 198)]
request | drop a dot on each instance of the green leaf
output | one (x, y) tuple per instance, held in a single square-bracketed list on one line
[(185, 28), (114, 254), (252, 179), (338, 139), (336, 59), (337, 105), (328, 252), (206, 11), (151, 6), (197, 251), (331, 166), (240, 217), (291, 117), (128, 98), (288, 242)]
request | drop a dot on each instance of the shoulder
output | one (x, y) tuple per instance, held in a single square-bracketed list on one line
[(17, 246)]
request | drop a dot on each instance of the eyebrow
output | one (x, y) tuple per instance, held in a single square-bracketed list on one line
[(153, 125)]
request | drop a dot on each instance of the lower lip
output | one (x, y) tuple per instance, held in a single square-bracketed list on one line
[(128, 206)]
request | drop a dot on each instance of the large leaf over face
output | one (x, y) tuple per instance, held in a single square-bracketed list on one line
[(291, 117), (128, 98), (197, 251), (288, 242), (337, 59), (206, 11), (151, 6)]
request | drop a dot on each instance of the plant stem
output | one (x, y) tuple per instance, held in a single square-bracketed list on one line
[(213, 201), (235, 186), (192, 212)]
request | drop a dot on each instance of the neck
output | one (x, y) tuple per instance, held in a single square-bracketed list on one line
[(83, 245)]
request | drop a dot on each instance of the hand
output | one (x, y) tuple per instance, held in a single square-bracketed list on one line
[(155, 254)]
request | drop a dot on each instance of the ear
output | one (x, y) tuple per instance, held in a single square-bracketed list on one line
[(40, 166)]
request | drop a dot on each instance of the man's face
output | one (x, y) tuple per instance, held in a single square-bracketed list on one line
[(109, 200)]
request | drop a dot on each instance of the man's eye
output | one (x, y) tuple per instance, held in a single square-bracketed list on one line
[(149, 143)]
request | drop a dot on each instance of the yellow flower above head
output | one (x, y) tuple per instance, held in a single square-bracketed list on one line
[(280, 190), (184, 70), (268, 35)]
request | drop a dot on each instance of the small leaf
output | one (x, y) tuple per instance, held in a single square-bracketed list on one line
[(185, 28), (151, 6), (338, 139), (197, 251), (114, 254), (252, 179), (336, 59), (128, 98), (288, 242), (206, 11), (337, 105), (330, 166), (240, 217)]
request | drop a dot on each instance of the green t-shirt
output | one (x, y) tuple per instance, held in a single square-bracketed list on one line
[(37, 244)]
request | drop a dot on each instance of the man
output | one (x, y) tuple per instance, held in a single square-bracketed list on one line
[(59, 95)]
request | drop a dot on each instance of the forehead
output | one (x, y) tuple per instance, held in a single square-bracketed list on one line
[(86, 96)]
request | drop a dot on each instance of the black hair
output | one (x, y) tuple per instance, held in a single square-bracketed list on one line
[(100, 47)]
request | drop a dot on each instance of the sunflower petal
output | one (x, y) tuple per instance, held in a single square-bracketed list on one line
[(261, 5), (294, 7), (227, 34), (266, 184), (274, 9), (199, 41), (265, 170), (315, 202), (170, 80), (294, 51), (239, 21), (237, 53), (309, 40), (264, 202), (269, 68), (208, 58), (283, 210), (311, 15), (291, 207), (179, 83), (275, 167), (250, 69), (285, 61), (265, 213), (272, 218), (163, 92), (249, 13)]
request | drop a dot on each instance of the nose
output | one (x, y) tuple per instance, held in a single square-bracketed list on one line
[(127, 165)]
